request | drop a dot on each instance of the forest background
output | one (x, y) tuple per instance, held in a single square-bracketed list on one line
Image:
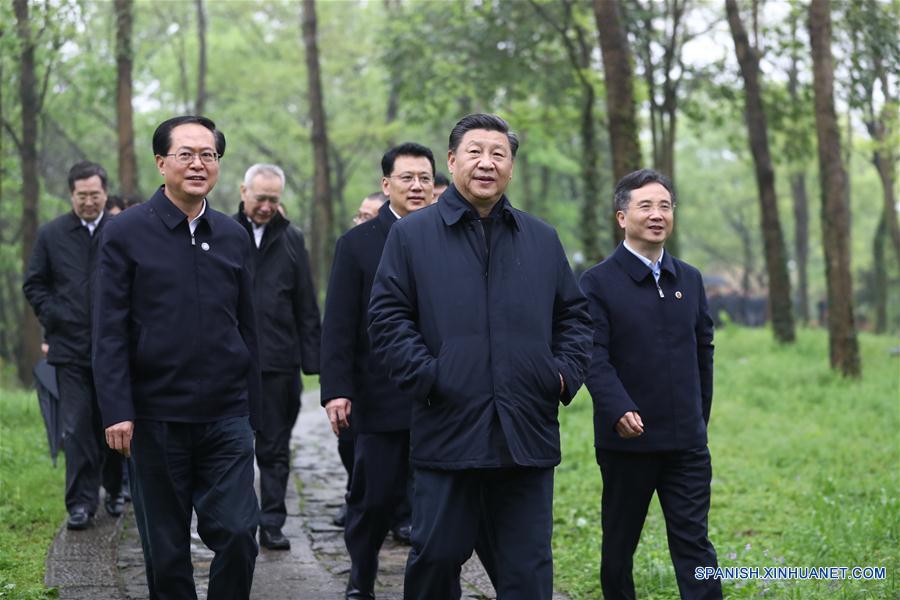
[(324, 88)]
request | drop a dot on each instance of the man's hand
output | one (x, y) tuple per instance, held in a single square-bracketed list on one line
[(338, 410), (118, 437), (630, 425), (562, 385)]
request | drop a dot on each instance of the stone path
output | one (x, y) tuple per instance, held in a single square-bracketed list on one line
[(105, 562)]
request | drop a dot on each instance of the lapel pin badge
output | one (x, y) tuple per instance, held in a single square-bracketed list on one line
[(678, 295), (205, 246)]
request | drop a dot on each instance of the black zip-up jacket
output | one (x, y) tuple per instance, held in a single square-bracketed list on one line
[(285, 298), (174, 325), (58, 285)]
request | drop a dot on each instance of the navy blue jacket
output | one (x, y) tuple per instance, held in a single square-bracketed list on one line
[(651, 355), (174, 327), (480, 336), (58, 284), (286, 311), (349, 369)]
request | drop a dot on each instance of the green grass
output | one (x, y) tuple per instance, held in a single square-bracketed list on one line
[(31, 496), (805, 473)]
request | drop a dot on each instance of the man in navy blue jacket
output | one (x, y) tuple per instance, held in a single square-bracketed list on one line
[(476, 313), (355, 386), (651, 379), (177, 367)]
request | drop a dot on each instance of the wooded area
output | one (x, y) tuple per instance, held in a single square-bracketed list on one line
[(751, 106)]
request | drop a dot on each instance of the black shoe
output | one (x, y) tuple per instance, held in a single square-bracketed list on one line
[(115, 505), (126, 492), (354, 593), (273, 539), (340, 517), (79, 519), (402, 533)]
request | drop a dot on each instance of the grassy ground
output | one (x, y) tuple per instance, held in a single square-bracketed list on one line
[(805, 473), (31, 496)]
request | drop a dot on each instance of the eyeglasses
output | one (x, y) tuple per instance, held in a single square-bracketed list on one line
[(408, 178), (186, 157), (663, 207)]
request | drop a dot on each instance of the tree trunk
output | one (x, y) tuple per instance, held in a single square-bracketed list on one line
[(589, 224), (842, 339), (322, 216), (201, 61), (886, 164), (28, 97), (879, 276), (128, 173), (757, 128), (620, 105), (801, 243)]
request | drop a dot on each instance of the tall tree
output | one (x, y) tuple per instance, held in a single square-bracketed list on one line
[(31, 99), (842, 341), (128, 173), (322, 214), (620, 105), (200, 105), (757, 129), (579, 49)]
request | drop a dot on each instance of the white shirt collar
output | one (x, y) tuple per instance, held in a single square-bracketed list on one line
[(394, 211), (655, 267), (258, 231), (193, 222), (92, 225)]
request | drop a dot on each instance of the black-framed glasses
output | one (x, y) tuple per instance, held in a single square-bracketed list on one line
[(186, 157)]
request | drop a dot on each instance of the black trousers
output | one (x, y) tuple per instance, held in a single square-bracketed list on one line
[(681, 478), (378, 486), (208, 468), (506, 515), (280, 407), (89, 461), (346, 451)]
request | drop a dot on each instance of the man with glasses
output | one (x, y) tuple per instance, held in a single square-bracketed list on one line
[(651, 379), (58, 285), (177, 367), (355, 386), (289, 336)]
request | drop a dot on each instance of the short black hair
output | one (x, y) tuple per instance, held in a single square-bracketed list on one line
[(114, 201), (86, 169), (379, 196), (638, 179), (440, 180), (162, 137), (482, 121), (404, 149), (132, 200)]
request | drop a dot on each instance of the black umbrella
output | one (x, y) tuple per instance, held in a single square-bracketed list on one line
[(48, 399)]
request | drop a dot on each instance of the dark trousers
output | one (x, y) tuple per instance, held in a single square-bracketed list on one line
[(207, 467), (380, 468), (506, 515), (681, 478), (346, 451), (280, 406), (88, 459)]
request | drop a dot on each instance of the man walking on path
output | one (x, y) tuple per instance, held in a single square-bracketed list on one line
[(58, 285), (477, 315), (177, 367), (651, 380), (289, 336)]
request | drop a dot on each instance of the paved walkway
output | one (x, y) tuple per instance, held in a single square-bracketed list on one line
[(105, 562)]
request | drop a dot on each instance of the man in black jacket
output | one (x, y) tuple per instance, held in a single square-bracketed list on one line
[(355, 386), (177, 367), (651, 379), (289, 336), (58, 285), (477, 315)]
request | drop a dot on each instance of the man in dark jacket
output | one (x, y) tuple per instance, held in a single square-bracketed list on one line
[(58, 284), (355, 386), (476, 313), (289, 336), (177, 367), (651, 381)]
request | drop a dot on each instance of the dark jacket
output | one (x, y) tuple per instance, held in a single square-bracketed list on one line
[(349, 369), (174, 327), (480, 336), (652, 355), (58, 285), (284, 297)]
